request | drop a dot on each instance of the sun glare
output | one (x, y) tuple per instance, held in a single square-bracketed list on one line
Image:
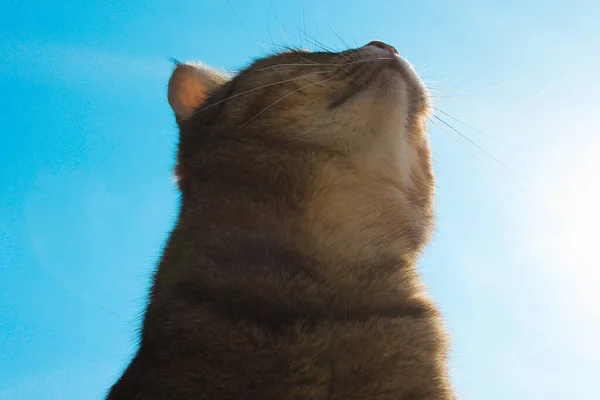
[(565, 206)]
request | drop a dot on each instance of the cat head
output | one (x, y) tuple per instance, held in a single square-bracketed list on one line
[(340, 138)]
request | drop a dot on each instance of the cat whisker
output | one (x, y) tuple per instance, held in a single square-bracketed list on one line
[(458, 98), (288, 80), (315, 42), (463, 117), (467, 125), (484, 151), (258, 88), (475, 144), (324, 48), (464, 147), (279, 23), (287, 95), (300, 65), (342, 40), (439, 89), (262, 43), (325, 64)]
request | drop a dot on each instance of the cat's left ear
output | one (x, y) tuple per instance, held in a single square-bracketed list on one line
[(190, 85)]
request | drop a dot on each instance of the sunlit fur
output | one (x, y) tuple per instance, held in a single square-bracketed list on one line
[(306, 199)]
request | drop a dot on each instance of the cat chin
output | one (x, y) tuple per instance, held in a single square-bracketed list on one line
[(396, 75)]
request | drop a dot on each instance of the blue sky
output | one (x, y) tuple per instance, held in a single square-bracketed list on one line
[(87, 200)]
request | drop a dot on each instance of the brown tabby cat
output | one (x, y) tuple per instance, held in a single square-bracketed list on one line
[(306, 199)]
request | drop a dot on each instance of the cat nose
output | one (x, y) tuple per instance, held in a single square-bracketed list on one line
[(384, 46)]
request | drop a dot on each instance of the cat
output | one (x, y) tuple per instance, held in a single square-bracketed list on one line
[(307, 197)]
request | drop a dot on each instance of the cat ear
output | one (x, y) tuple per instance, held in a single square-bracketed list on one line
[(190, 85)]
